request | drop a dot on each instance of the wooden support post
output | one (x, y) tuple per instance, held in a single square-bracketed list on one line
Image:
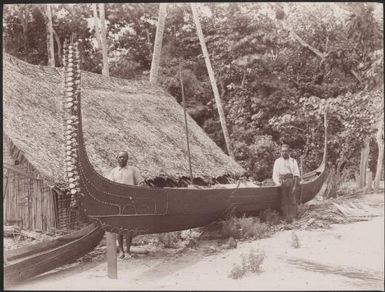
[(185, 123), (112, 263)]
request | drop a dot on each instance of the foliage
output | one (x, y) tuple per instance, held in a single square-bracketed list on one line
[(269, 216), (244, 228), (169, 239), (251, 262), (335, 183), (22, 36), (232, 243), (237, 272), (295, 240), (276, 66)]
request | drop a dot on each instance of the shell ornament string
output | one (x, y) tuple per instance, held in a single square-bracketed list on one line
[(71, 99)]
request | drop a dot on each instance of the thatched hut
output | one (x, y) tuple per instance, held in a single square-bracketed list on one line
[(117, 115)]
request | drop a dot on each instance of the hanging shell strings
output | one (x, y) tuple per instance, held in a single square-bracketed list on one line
[(71, 99)]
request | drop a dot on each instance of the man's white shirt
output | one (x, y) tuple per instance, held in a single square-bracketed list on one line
[(129, 175), (284, 166)]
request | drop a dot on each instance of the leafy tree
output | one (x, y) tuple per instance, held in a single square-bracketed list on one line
[(276, 67)]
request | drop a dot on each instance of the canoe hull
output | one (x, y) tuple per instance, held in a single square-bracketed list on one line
[(25, 251), (150, 223), (123, 208), (251, 202), (190, 208), (32, 265)]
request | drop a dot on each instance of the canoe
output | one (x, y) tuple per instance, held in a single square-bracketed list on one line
[(25, 251), (123, 208), (251, 202), (28, 262)]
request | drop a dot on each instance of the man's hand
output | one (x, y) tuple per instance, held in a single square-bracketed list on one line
[(296, 184), (142, 184)]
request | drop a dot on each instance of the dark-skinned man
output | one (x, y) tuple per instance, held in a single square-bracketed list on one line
[(130, 175), (286, 175)]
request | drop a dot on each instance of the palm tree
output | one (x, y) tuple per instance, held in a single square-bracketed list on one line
[(380, 143), (101, 35), (50, 46), (158, 43), (212, 79)]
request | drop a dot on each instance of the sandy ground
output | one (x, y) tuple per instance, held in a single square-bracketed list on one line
[(344, 257)]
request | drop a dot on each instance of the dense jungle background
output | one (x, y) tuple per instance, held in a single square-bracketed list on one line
[(277, 65)]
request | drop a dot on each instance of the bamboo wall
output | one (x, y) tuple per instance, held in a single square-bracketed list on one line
[(28, 201)]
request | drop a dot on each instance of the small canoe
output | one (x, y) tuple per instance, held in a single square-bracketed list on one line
[(28, 262)]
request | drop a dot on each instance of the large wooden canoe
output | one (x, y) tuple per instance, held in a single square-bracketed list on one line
[(28, 262), (122, 208), (141, 210)]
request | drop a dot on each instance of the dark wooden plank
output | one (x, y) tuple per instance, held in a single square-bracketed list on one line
[(46, 245)]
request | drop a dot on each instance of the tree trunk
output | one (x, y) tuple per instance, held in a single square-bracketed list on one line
[(243, 78), (96, 21), (158, 43), (369, 180), (360, 179), (212, 80), (50, 46), (103, 38), (318, 53), (364, 163), (58, 44), (380, 159), (148, 41), (357, 178), (23, 12)]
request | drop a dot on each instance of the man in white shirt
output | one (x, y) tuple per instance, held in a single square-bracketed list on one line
[(129, 175), (286, 175)]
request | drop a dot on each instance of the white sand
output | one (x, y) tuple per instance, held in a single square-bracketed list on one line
[(345, 257)]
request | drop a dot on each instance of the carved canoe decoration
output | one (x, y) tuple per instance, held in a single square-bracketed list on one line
[(122, 208)]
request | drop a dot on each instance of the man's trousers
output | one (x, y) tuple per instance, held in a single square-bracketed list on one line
[(288, 199)]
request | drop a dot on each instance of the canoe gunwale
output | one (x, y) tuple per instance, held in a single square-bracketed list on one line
[(34, 265), (47, 244)]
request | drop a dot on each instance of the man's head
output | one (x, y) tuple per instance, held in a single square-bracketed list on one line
[(122, 158), (285, 151)]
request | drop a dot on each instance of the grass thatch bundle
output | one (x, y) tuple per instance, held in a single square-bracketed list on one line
[(117, 115)]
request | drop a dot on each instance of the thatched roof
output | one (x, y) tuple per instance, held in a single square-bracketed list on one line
[(118, 114)]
